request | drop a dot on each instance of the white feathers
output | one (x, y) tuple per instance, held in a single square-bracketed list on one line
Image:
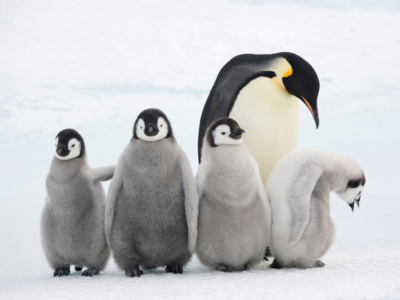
[(269, 114), (298, 190), (162, 127), (221, 136), (234, 213), (74, 148), (351, 194)]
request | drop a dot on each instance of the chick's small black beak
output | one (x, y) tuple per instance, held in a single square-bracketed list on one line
[(151, 130), (239, 131), (352, 206), (62, 151), (236, 135), (358, 202)]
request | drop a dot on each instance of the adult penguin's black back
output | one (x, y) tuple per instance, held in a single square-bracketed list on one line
[(259, 92)]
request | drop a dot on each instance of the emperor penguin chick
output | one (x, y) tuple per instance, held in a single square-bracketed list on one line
[(72, 224), (298, 190), (234, 213), (152, 203)]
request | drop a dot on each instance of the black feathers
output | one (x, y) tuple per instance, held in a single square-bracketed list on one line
[(150, 117), (235, 130), (241, 70), (64, 136)]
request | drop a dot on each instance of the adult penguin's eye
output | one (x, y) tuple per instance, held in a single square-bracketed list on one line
[(73, 145), (223, 133)]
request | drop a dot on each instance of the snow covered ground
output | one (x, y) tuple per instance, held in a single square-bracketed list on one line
[(95, 65)]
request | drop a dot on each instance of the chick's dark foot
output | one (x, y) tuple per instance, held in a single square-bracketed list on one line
[(78, 268), (133, 273), (226, 268), (223, 268), (245, 267), (61, 272), (275, 265), (90, 272), (319, 264), (174, 269)]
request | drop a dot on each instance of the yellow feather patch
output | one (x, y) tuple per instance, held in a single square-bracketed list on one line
[(288, 73)]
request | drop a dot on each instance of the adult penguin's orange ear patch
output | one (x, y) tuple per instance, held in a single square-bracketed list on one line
[(288, 72)]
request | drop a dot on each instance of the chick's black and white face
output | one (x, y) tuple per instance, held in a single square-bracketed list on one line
[(223, 136), (68, 145), (225, 131), (353, 192), (151, 130)]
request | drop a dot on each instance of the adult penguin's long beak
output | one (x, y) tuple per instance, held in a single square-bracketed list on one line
[(302, 81), (314, 111), (295, 87)]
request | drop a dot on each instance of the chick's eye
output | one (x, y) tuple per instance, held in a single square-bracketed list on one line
[(141, 127), (223, 133), (73, 145), (161, 125)]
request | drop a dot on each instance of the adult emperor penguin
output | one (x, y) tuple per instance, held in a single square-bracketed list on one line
[(261, 93), (72, 224), (234, 213), (151, 213), (298, 190)]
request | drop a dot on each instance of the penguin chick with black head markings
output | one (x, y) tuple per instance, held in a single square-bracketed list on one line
[(151, 213), (72, 224), (298, 190), (234, 213)]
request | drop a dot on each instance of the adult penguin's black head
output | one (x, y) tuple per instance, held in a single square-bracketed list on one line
[(302, 81), (69, 145), (152, 125)]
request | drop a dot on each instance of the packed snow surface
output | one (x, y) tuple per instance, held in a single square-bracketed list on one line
[(95, 65)]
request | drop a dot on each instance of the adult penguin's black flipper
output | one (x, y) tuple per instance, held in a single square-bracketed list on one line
[(235, 75)]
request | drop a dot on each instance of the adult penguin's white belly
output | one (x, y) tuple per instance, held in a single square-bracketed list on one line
[(262, 93), (271, 118)]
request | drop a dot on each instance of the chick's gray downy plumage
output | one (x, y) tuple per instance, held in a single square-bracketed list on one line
[(234, 213), (72, 223), (151, 214)]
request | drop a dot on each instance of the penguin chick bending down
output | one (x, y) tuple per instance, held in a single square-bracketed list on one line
[(72, 224), (234, 213), (298, 190), (152, 203)]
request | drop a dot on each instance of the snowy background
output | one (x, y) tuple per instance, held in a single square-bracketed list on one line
[(95, 65)]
